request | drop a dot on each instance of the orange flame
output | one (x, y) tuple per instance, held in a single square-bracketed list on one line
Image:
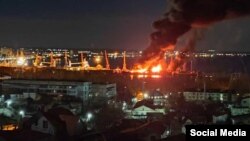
[(156, 76), (150, 67), (156, 69), (155, 64)]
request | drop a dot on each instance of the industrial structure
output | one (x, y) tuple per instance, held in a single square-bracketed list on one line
[(49, 60), (70, 61), (83, 90)]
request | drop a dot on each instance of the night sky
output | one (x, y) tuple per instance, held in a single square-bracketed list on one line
[(113, 24)]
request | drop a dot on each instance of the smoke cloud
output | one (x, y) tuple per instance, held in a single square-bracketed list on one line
[(186, 15)]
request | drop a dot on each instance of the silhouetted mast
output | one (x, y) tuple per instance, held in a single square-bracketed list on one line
[(107, 60), (65, 59), (52, 61), (82, 60), (124, 67)]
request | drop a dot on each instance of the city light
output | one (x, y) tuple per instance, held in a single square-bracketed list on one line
[(124, 105), (9, 127), (21, 113), (8, 102), (21, 61), (98, 59), (89, 116), (139, 96), (146, 96)]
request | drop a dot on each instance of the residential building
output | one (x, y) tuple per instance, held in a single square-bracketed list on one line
[(104, 90), (245, 102), (213, 95), (19, 89), (158, 98), (29, 87), (57, 121), (43, 125), (30, 95), (143, 108), (220, 118), (239, 110), (24, 95)]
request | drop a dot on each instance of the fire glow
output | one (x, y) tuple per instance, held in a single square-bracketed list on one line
[(156, 69), (185, 17), (150, 69)]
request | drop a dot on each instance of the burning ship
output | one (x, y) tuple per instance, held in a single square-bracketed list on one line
[(188, 18)]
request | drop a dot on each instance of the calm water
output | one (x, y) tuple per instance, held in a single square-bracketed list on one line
[(223, 64)]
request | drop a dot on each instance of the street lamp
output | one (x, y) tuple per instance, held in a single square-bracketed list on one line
[(89, 116), (9, 102), (124, 105), (21, 113), (20, 117), (145, 95)]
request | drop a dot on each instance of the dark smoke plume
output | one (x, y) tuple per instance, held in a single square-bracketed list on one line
[(184, 15), (190, 39)]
